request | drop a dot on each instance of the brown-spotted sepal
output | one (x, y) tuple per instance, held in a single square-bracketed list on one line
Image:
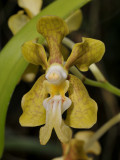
[(54, 29), (34, 53), (85, 53)]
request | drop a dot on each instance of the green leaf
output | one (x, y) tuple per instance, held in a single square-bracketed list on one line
[(12, 64)]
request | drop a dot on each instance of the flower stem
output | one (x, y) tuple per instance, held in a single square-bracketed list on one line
[(97, 73), (106, 85), (101, 81), (102, 130)]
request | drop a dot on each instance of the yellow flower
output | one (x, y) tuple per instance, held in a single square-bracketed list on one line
[(31, 8), (46, 101), (17, 21), (75, 149)]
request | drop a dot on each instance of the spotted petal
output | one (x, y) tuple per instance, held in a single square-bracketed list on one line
[(32, 7), (34, 113), (83, 111), (17, 21), (53, 29), (85, 53), (34, 53)]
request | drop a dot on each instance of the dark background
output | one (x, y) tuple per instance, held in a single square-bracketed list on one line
[(101, 20)]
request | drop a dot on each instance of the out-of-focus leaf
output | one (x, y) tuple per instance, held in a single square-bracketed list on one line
[(74, 20)]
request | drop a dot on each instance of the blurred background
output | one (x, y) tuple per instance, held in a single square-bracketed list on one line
[(101, 20)]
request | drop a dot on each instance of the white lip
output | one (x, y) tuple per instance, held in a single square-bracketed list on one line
[(54, 109), (64, 106)]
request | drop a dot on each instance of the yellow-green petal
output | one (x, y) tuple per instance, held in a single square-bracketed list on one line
[(34, 113), (54, 29), (83, 111), (85, 53), (74, 20), (32, 7), (34, 53), (17, 21), (85, 136)]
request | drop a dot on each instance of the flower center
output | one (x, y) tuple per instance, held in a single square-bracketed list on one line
[(56, 74)]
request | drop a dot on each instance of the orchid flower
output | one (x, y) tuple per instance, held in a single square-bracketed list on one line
[(75, 149), (47, 101), (17, 21), (30, 9)]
